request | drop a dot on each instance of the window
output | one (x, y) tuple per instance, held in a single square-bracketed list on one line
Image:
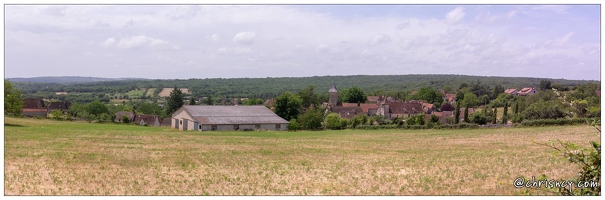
[(180, 121), (214, 127), (200, 127), (236, 127), (277, 126)]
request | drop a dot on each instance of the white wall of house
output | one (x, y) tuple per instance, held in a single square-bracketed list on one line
[(181, 115), (191, 125)]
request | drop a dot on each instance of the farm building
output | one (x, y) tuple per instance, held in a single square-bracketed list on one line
[(61, 105), (128, 114), (34, 107), (206, 118), (527, 91), (148, 120)]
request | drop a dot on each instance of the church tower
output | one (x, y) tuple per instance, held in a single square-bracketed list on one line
[(333, 96)]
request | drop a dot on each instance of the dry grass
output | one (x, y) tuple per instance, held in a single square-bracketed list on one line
[(166, 91), (45, 157)]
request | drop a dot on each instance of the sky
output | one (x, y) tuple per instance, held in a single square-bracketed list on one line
[(256, 41)]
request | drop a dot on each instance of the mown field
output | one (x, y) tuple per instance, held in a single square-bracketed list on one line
[(44, 157)]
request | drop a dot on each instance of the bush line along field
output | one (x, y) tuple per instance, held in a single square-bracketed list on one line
[(44, 157)]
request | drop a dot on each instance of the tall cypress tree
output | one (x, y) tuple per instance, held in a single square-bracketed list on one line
[(504, 117), (495, 113), (457, 113), (192, 101), (466, 119)]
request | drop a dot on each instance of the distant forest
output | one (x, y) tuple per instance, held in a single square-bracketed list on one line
[(266, 88)]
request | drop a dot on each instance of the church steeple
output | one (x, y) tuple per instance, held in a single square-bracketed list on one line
[(333, 96)]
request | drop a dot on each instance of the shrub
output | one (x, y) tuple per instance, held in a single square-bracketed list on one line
[(543, 110), (125, 119), (343, 123), (333, 121), (293, 125), (478, 118), (310, 120), (547, 122)]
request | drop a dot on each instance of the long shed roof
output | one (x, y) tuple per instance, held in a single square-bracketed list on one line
[(233, 115)]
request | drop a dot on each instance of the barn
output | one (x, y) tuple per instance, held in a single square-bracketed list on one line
[(210, 118)]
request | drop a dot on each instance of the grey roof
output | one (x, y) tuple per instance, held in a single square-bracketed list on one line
[(233, 115), (333, 89)]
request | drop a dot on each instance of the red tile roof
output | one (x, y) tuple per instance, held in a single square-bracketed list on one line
[(364, 106), (510, 90), (405, 108), (372, 98), (525, 91), (450, 97)]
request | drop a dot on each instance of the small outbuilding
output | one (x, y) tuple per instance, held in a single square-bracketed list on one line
[(207, 118)]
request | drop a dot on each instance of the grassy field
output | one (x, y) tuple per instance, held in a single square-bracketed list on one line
[(44, 157), (150, 92), (136, 93)]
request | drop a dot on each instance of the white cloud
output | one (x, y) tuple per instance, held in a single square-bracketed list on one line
[(246, 38), (214, 37), (144, 41), (455, 15), (380, 39), (108, 42)]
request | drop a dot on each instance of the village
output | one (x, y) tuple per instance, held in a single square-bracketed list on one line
[(262, 117)]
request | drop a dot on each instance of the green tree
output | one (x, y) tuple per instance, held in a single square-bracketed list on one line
[(333, 121), (254, 101), (311, 120), (484, 99), (308, 96), (287, 105), (495, 115), (466, 119), (149, 108), (209, 100), (354, 95), (428, 94), (459, 96), (175, 101), (13, 100), (545, 84), (497, 91), (505, 113), (96, 108), (470, 100), (192, 101), (457, 113)]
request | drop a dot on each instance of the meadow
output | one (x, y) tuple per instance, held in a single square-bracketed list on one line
[(44, 157)]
